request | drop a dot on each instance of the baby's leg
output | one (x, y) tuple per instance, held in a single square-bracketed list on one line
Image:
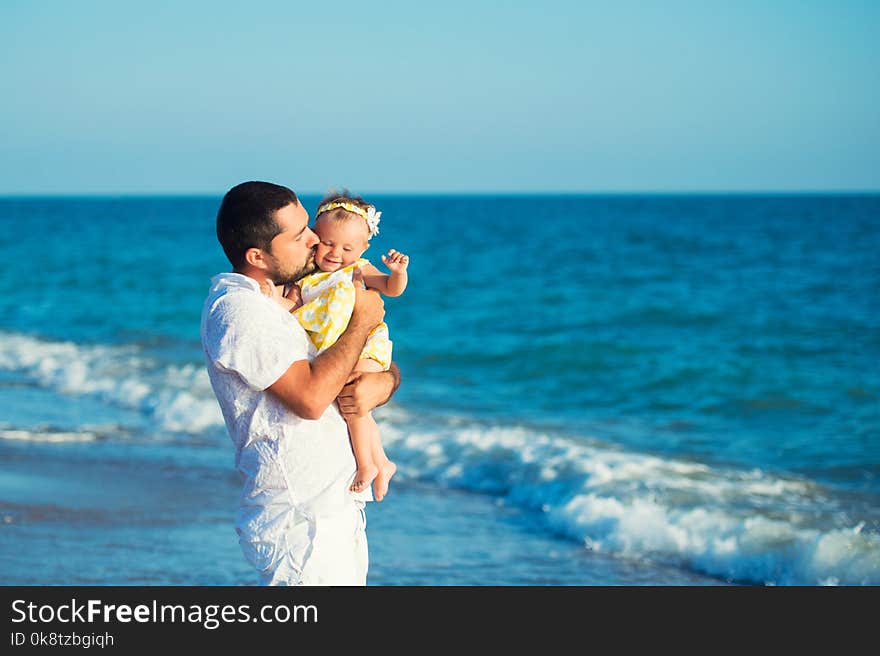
[(385, 468), (360, 430)]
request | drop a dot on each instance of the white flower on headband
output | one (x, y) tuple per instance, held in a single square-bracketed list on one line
[(373, 220)]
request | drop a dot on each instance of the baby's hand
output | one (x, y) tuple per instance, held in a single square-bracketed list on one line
[(395, 261), (269, 289), (294, 295), (276, 293)]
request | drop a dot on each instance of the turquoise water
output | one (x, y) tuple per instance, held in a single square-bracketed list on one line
[(684, 385)]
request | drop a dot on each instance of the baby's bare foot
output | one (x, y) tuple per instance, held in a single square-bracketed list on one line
[(364, 477), (380, 485)]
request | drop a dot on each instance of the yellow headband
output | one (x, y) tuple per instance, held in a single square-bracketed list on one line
[(371, 216)]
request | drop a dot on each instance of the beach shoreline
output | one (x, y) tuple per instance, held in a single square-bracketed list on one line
[(85, 514)]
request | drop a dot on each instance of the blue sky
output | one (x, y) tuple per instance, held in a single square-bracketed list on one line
[(193, 97)]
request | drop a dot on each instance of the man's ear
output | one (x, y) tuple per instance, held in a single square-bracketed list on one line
[(255, 258)]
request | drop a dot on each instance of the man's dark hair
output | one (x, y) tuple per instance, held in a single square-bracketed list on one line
[(246, 218)]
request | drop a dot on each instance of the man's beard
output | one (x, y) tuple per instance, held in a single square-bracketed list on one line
[(287, 277)]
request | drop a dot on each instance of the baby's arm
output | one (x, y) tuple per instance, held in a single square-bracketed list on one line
[(391, 284)]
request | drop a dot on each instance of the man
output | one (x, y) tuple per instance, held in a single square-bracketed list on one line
[(298, 523)]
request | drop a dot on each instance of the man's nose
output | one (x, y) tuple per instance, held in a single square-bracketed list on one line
[(313, 239)]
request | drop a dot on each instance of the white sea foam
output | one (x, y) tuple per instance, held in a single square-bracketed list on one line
[(176, 398), (48, 436), (745, 526)]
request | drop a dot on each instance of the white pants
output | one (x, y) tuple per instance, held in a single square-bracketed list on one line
[(319, 551)]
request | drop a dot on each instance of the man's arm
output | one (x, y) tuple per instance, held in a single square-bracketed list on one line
[(308, 388), (368, 390)]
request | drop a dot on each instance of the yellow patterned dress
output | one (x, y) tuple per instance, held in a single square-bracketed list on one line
[(328, 300)]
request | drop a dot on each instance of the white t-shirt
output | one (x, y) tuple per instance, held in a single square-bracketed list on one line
[(294, 469)]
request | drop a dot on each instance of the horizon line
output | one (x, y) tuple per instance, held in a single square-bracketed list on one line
[(644, 192)]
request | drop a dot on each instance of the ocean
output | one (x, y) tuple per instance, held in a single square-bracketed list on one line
[(597, 390)]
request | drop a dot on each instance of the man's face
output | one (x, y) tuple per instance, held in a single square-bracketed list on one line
[(292, 253)]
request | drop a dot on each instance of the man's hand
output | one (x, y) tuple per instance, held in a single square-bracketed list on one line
[(367, 390), (369, 308)]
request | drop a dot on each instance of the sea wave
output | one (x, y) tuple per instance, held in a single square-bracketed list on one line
[(176, 398), (740, 525), (48, 435), (745, 526)]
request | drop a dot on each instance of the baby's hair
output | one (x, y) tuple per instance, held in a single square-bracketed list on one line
[(332, 207)]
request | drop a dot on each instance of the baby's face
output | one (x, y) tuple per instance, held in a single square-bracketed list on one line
[(342, 243)]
